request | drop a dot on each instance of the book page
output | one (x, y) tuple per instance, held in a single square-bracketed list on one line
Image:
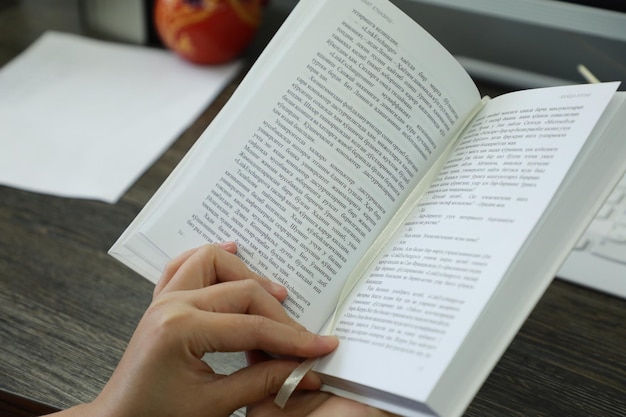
[(421, 296), (317, 149)]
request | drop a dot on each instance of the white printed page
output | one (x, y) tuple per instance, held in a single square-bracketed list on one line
[(412, 310), (317, 150)]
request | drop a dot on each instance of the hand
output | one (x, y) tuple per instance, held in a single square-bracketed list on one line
[(207, 301)]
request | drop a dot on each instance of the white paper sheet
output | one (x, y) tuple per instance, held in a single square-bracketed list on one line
[(85, 118)]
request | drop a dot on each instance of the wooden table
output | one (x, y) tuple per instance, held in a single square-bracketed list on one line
[(67, 309)]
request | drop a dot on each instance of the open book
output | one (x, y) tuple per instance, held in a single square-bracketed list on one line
[(358, 165)]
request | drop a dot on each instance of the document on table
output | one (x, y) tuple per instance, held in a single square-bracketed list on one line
[(85, 118)]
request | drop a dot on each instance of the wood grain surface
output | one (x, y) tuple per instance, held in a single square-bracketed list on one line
[(67, 309)]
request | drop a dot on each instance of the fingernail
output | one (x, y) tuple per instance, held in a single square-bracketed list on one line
[(331, 341), (311, 381), (228, 246), (277, 286), (278, 289)]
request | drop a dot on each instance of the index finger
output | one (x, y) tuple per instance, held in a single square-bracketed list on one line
[(174, 264), (208, 265)]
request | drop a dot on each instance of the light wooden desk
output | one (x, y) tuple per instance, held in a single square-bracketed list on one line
[(67, 309)]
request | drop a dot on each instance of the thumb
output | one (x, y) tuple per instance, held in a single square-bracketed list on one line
[(260, 381)]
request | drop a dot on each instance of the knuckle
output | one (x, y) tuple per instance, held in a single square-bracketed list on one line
[(258, 325), (273, 382), (170, 268), (250, 285), (166, 316), (247, 288), (208, 251)]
